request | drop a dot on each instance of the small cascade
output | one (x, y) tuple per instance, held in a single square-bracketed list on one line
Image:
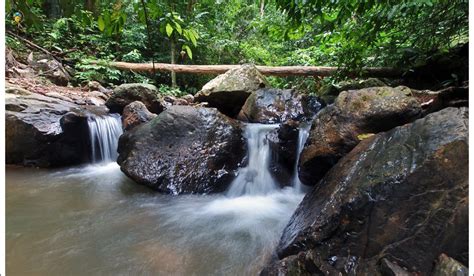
[(255, 178), (104, 133), (303, 135)]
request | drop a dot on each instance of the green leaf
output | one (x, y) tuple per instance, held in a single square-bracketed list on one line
[(188, 50), (178, 28), (101, 23), (169, 30), (192, 38)]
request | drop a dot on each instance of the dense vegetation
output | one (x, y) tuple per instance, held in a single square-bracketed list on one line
[(267, 32)]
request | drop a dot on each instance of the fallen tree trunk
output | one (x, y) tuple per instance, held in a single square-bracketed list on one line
[(266, 70)]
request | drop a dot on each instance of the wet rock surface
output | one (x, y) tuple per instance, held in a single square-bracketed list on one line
[(127, 93), (44, 131), (228, 92), (135, 114), (338, 128), (269, 106), (401, 196), (184, 150), (283, 145)]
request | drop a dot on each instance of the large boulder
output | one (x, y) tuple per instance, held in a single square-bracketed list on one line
[(328, 93), (184, 150), (338, 128), (228, 92), (270, 106), (135, 114), (127, 93), (44, 131), (401, 195)]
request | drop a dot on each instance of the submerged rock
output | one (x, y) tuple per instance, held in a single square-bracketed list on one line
[(228, 92), (338, 128), (125, 94), (183, 150), (401, 195), (270, 106), (135, 114), (44, 131)]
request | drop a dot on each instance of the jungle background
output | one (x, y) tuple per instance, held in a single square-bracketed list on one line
[(86, 34)]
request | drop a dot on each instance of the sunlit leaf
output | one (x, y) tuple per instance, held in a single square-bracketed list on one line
[(101, 23), (169, 30)]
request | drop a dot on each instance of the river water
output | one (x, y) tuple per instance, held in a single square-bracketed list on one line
[(93, 220)]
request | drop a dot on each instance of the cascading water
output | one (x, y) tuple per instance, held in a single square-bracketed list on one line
[(147, 232), (104, 132), (255, 178), (303, 135)]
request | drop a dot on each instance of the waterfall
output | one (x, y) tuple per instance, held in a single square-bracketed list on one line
[(104, 132), (255, 178), (303, 134)]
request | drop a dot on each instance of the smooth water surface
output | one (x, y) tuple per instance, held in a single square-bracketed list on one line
[(94, 221)]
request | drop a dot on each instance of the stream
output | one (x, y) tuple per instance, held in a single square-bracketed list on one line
[(93, 220)]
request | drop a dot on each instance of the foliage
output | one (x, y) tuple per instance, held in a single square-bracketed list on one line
[(167, 90), (380, 33), (345, 33), (96, 70)]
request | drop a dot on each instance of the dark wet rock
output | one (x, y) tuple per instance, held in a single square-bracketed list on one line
[(401, 195), (338, 128), (269, 106), (44, 131), (283, 146), (127, 93), (135, 114), (329, 93), (184, 150), (228, 92), (448, 266), (432, 101)]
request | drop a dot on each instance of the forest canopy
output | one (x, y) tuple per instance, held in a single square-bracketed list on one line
[(350, 34)]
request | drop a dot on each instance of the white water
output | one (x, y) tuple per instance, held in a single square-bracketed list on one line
[(104, 133), (303, 135), (255, 178)]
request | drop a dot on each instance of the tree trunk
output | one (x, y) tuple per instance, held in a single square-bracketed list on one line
[(173, 62), (52, 8), (90, 6), (262, 8), (266, 70)]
